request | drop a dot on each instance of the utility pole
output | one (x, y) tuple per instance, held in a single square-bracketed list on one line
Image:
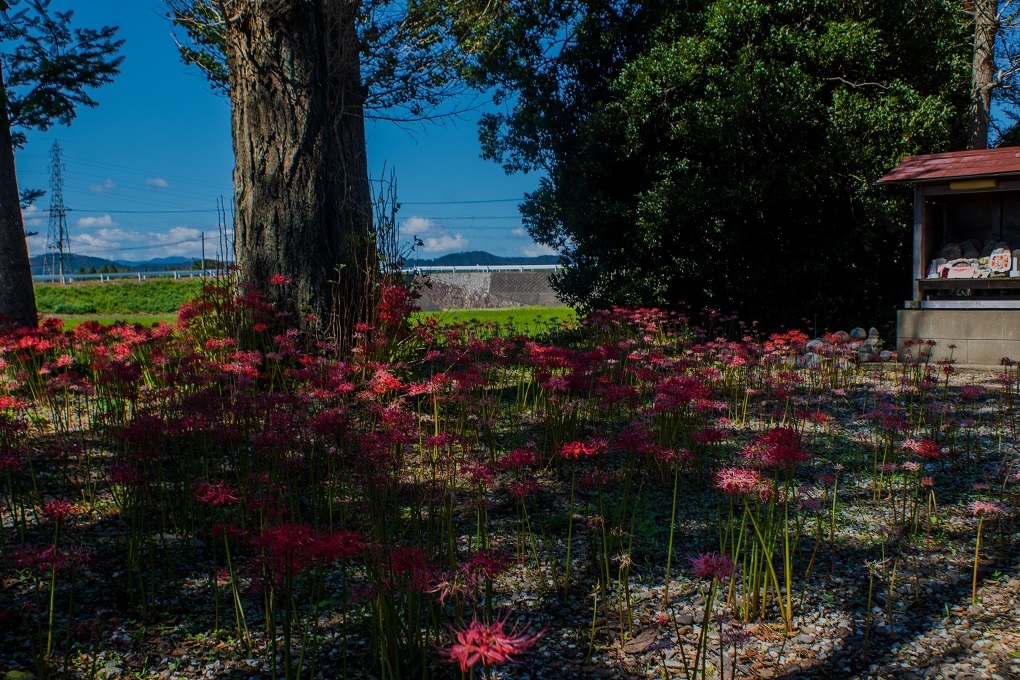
[(203, 254), (58, 241)]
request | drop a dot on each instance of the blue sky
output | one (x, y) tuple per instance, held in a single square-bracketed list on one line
[(144, 170)]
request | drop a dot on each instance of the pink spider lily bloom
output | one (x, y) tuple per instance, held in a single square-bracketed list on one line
[(923, 448), (712, 565), (986, 508), (489, 644)]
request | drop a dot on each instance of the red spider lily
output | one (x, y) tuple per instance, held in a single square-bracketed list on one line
[(396, 304), (785, 343), (780, 446), (986, 508), (923, 448), (125, 474), (712, 565), (677, 391), (10, 460), (888, 419), (478, 474), (279, 280), (443, 440), (9, 403), (290, 548), (42, 559), (340, 545), (486, 566), (819, 418), (518, 458), (524, 488), (741, 481), (489, 644), (384, 382), (216, 494), (413, 564), (634, 438), (576, 450), (708, 435), (58, 510)]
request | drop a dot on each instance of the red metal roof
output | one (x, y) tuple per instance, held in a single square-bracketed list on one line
[(955, 165)]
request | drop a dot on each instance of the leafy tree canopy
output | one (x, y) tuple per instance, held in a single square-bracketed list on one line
[(725, 152), (412, 52), (50, 67)]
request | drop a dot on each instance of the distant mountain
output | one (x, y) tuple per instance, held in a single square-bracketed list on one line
[(74, 264), (478, 257), (173, 260), (41, 264)]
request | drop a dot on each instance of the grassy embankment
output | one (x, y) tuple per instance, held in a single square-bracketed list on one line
[(155, 300)]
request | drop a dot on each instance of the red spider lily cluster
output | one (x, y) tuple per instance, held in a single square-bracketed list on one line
[(378, 498)]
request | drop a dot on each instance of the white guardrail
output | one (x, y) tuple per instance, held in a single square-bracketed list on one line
[(484, 268), (141, 276), (195, 273)]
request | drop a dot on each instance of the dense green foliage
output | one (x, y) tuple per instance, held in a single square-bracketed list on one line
[(50, 67), (725, 152), (156, 296)]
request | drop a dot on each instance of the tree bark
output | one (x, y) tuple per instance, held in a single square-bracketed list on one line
[(986, 28), (17, 297), (303, 205)]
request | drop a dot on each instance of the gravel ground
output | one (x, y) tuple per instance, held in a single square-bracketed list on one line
[(921, 623)]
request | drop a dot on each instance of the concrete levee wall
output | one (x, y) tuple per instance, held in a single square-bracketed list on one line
[(486, 290)]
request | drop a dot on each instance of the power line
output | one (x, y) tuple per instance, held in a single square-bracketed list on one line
[(486, 200), (144, 212), (209, 210), (151, 245)]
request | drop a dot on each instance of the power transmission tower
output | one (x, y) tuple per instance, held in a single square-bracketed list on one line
[(58, 241)]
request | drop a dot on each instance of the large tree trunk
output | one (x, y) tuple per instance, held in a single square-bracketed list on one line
[(986, 27), (17, 297), (303, 205)]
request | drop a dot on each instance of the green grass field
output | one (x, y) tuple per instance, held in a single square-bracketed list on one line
[(528, 320), (155, 296), (72, 320), (155, 300)]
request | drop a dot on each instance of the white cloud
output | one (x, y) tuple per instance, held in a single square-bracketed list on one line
[(434, 235), (519, 231), (103, 187), (444, 243), (102, 221), (182, 241), (121, 244), (418, 226), (102, 241), (537, 249), (36, 244), (33, 217), (157, 182)]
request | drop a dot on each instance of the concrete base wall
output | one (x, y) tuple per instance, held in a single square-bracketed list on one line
[(982, 336), (486, 290)]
